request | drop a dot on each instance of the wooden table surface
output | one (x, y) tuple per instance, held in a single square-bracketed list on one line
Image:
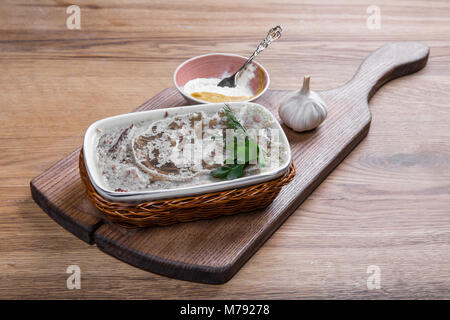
[(387, 204)]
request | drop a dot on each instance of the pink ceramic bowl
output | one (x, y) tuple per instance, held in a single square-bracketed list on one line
[(218, 65)]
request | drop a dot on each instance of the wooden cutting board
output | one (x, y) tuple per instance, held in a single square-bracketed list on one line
[(212, 251)]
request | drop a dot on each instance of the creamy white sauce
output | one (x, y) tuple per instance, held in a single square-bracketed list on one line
[(158, 155), (242, 88)]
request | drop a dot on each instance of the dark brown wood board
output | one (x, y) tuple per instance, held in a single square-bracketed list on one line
[(212, 251)]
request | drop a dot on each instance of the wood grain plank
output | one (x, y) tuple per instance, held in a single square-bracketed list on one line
[(59, 192)]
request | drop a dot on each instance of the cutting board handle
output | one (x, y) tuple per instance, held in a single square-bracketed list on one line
[(391, 61)]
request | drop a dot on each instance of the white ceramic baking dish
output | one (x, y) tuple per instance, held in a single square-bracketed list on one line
[(92, 136)]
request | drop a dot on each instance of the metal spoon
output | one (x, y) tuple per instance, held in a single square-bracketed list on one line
[(273, 34)]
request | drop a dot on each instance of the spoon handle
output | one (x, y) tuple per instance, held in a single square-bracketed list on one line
[(272, 35)]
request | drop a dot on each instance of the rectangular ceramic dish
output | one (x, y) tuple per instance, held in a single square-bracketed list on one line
[(92, 136)]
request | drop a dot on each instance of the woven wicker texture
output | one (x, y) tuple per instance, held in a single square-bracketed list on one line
[(169, 211)]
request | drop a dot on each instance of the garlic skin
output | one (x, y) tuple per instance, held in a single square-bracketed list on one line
[(303, 110)]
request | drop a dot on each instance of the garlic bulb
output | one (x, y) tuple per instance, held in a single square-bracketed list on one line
[(303, 109)]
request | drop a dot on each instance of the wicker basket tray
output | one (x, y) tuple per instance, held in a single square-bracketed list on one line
[(169, 211)]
